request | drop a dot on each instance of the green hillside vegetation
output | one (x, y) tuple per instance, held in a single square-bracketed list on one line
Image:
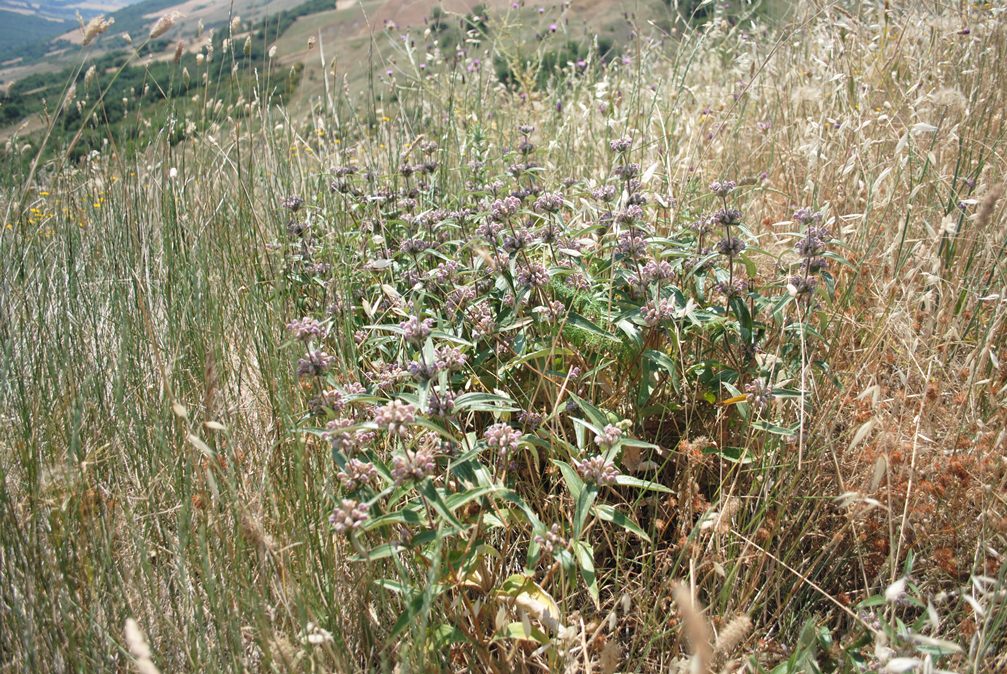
[(20, 32)]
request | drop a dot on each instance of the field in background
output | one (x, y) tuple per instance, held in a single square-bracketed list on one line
[(811, 474)]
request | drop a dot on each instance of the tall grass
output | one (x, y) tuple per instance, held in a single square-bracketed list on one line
[(155, 465)]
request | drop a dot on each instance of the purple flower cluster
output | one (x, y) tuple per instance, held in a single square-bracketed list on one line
[(305, 329), (609, 436), (315, 364), (596, 470), (551, 541), (349, 515), (415, 331), (395, 417), (502, 438), (415, 466), (357, 474)]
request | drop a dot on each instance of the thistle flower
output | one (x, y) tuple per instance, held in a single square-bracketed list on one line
[(596, 470), (416, 466), (395, 417), (349, 515), (502, 438), (357, 474)]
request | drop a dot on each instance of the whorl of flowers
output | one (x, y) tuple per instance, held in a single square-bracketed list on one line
[(501, 209), (315, 364), (440, 404), (722, 188), (345, 441), (415, 466), (596, 470), (551, 541), (395, 417), (533, 275), (658, 311), (731, 246), (621, 145), (604, 193), (357, 474), (349, 515), (727, 216), (450, 358), (502, 438), (759, 394), (549, 202), (306, 329), (632, 246), (415, 331), (609, 436), (292, 203)]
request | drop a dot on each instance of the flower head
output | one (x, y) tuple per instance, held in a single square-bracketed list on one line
[(395, 417), (349, 515), (503, 438)]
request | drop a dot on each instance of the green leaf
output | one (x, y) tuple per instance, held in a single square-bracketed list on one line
[(585, 564), (484, 402), (456, 501), (584, 503), (597, 417), (398, 517), (519, 632), (608, 513), (433, 496), (628, 481), (579, 321), (414, 608), (574, 484)]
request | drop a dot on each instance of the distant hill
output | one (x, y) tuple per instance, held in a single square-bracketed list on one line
[(28, 27)]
